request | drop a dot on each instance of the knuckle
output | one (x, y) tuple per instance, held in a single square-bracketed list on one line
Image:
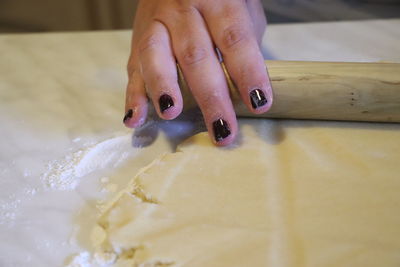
[(186, 10), (232, 12), (157, 77), (233, 36), (209, 99), (193, 54), (179, 12), (149, 42), (131, 66)]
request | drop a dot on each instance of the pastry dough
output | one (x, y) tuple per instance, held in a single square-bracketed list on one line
[(283, 196)]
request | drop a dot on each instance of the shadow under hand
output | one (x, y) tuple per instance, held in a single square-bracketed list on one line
[(272, 131), (189, 123)]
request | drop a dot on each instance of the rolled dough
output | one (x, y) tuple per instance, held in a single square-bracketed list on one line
[(283, 196)]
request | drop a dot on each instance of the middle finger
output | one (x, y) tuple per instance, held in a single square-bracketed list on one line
[(234, 34), (195, 53)]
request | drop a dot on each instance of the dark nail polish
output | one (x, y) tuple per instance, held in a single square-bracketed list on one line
[(128, 115), (257, 98), (221, 129), (165, 102)]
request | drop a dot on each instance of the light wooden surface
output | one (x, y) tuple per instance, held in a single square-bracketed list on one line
[(335, 91), (325, 91)]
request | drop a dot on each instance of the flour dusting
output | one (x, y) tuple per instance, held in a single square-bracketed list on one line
[(65, 174), (86, 259), (8, 210)]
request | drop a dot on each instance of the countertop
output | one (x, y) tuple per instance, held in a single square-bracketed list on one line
[(61, 103)]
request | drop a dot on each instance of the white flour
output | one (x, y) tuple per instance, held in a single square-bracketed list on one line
[(85, 259), (8, 210), (65, 174)]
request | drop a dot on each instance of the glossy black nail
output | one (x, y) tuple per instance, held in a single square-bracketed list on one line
[(128, 115), (165, 102), (257, 98), (221, 129)]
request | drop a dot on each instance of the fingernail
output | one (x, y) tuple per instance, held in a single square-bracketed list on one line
[(257, 98), (221, 129), (128, 115), (165, 102)]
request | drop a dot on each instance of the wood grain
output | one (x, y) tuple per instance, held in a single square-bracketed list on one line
[(326, 91)]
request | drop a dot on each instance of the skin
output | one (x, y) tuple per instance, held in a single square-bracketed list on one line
[(187, 32)]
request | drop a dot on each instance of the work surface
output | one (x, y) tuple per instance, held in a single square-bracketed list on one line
[(64, 151)]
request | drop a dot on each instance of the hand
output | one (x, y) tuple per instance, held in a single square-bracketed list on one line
[(167, 32)]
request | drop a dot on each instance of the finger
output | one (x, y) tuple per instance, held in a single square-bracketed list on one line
[(232, 30), (193, 48), (257, 16), (159, 72), (136, 99)]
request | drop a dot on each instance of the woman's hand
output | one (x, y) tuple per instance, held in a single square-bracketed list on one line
[(187, 32)]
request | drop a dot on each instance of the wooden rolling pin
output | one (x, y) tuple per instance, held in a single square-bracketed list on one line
[(326, 91)]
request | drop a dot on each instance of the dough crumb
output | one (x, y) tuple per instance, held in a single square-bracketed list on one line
[(105, 258), (104, 180), (111, 188)]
